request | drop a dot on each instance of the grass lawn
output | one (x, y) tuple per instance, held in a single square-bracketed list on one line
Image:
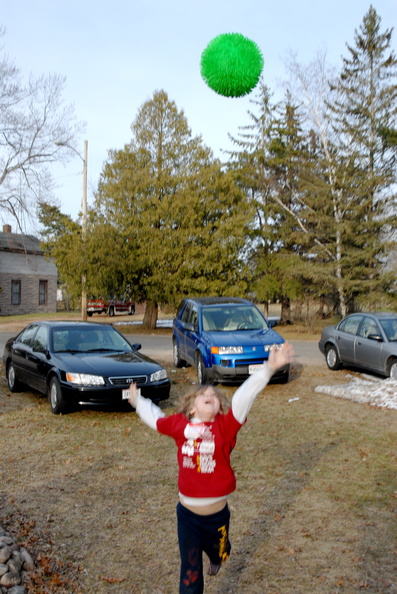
[(92, 495)]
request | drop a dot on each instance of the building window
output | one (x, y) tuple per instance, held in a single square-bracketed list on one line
[(43, 285), (15, 292)]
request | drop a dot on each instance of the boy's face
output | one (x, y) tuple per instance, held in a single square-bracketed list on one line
[(206, 405)]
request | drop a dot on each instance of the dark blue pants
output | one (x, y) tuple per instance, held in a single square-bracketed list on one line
[(198, 534)]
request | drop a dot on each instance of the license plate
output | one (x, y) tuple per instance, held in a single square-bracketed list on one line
[(254, 368), (125, 394)]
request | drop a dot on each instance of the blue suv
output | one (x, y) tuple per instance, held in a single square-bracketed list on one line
[(225, 338)]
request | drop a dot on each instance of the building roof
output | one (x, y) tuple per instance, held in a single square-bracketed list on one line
[(22, 254), (16, 242)]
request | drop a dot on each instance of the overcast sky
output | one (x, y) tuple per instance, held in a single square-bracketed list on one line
[(114, 55)]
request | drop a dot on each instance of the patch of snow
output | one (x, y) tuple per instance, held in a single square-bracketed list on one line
[(369, 390), (159, 324)]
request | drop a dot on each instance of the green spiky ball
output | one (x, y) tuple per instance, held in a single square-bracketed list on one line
[(231, 65)]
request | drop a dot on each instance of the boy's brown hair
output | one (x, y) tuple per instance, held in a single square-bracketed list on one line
[(186, 402)]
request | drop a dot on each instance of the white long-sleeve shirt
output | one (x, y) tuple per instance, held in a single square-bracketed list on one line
[(242, 400)]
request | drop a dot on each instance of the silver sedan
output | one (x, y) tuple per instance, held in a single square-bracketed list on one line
[(365, 340)]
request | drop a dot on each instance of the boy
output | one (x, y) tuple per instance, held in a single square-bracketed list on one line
[(205, 429)]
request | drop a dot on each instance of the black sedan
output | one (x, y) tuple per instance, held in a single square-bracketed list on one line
[(80, 363), (365, 340)]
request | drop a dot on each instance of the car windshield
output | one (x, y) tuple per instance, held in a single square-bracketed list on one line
[(86, 339), (390, 328), (232, 318)]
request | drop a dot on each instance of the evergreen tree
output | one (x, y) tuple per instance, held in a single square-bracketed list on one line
[(322, 193), (363, 104), (61, 240), (352, 192), (248, 160), (271, 157), (182, 218), (286, 161)]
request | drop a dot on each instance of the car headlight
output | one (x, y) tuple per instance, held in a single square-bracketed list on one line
[(158, 375), (85, 379), (269, 347), (229, 350)]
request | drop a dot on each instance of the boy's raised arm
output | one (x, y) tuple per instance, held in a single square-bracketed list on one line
[(145, 408), (244, 397)]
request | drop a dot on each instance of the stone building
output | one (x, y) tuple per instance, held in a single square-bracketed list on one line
[(28, 282)]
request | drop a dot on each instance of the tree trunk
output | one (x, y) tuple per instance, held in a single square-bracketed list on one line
[(285, 310), (150, 317), (298, 315), (321, 308)]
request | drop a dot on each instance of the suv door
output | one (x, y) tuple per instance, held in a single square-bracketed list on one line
[(191, 335), (179, 329)]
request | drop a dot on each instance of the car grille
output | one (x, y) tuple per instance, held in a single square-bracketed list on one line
[(121, 382), (251, 361)]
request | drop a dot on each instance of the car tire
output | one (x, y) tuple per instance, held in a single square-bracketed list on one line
[(131, 311), (392, 369), (178, 361), (332, 358), (55, 398), (14, 385), (284, 379), (111, 311), (203, 374)]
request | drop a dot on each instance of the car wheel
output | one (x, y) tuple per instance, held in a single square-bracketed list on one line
[(13, 383), (203, 374), (131, 311), (111, 311), (55, 397), (89, 313), (332, 358), (393, 369), (178, 362)]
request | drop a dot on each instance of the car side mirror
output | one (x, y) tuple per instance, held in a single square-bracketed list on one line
[(189, 327), (272, 323), (41, 349), (38, 348), (136, 346), (376, 337)]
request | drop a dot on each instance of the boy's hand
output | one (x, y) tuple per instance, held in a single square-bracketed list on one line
[(133, 399), (280, 357)]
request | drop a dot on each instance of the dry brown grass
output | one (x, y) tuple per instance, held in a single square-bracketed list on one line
[(93, 495)]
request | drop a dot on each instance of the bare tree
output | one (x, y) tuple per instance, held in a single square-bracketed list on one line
[(32, 118), (311, 84)]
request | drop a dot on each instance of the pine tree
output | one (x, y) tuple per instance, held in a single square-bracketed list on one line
[(363, 103), (249, 162), (272, 157)]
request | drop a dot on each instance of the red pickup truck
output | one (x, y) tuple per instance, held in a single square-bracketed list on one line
[(110, 307)]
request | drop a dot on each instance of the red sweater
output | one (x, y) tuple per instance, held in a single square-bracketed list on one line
[(203, 453)]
